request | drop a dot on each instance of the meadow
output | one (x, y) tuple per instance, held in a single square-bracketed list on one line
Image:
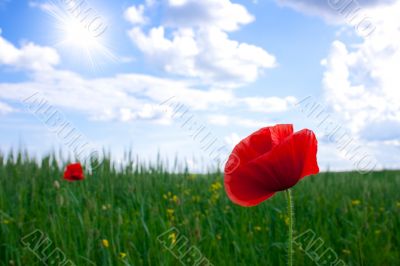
[(141, 214)]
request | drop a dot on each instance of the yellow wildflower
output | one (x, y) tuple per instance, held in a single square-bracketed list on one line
[(355, 202), (216, 186), (258, 228), (175, 199), (214, 198), (122, 255), (346, 251), (172, 236), (170, 214), (105, 243)]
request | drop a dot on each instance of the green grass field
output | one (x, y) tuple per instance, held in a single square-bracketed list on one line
[(115, 217)]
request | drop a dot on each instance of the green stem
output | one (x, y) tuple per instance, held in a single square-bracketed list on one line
[(291, 222)]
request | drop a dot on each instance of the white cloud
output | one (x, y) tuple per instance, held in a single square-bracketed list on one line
[(359, 15), (5, 109), (193, 42), (361, 81), (269, 104), (232, 139), (207, 54), (225, 120), (30, 56), (251, 123), (222, 14), (135, 15), (127, 97), (221, 120), (124, 97), (384, 130), (150, 3), (332, 10)]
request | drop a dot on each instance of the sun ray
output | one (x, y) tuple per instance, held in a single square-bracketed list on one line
[(75, 34)]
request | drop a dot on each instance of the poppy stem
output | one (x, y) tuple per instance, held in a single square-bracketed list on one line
[(291, 222)]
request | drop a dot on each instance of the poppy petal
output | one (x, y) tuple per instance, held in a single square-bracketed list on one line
[(290, 161), (261, 142), (280, 132), (290, 158), (74, 172)]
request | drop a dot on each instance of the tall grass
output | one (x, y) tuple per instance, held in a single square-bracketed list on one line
[(355, 215)]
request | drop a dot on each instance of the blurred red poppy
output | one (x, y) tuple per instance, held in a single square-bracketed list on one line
[(270, 160), (74, 172)]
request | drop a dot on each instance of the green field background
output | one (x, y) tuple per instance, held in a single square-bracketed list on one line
[(357, 216)]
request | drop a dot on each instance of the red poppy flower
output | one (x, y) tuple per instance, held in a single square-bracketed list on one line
[(270, 160), (74, 172)]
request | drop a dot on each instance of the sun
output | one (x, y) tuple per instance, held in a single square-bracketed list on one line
[(80, 34), (77, 36)]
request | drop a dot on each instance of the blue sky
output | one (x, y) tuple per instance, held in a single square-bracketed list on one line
[(234, 66)]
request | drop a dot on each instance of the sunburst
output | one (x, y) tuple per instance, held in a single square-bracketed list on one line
[(78, 33)]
